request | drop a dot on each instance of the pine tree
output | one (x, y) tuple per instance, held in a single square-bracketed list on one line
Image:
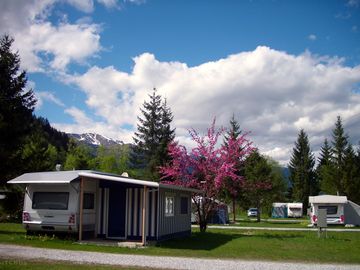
[(302, 170), (355, 196), (232, 134), (16, 107), (234, 131), (351, 176), (325, 169), (340, 144), (325, 154), (153, 136), (167, 135)]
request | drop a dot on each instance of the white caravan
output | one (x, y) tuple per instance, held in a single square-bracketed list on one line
[(334, 206), (55, 207), (295, 210)]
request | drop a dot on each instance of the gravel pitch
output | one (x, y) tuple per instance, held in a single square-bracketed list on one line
[(84, 257)]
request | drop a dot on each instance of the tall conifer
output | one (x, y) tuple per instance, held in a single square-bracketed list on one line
[(16, 107), (232, 134), (153, 135), (339, 145), (302, 170), (325, 168)]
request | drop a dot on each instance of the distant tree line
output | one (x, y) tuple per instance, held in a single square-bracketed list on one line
[(337, 171)]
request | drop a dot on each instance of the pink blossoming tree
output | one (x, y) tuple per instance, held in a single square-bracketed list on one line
[(207, 167)]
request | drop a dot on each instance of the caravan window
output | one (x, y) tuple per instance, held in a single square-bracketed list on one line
[(169, 206), (330, 209), (50, 200)]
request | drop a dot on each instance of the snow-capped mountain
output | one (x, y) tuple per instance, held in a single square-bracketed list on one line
[(94, 139)]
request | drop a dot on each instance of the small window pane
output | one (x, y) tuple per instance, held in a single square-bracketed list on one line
[(169, 206), (50, 200), (88, 201), (183, 205)]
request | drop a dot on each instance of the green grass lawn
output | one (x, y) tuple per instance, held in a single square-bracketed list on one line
[(339, 247), (280, 223)]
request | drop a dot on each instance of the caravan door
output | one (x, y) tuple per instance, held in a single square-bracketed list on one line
[(116, 212)]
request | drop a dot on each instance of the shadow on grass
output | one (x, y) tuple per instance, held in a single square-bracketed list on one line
[(211, 240), (273, 236), (199, 241), (11, 233)]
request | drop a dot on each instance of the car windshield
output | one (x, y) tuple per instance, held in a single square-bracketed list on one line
[(252, 209)]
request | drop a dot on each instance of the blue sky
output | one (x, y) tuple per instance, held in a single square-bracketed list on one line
[(277, 65)]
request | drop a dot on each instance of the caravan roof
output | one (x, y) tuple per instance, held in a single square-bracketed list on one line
[(327, 199), (295, 205), (65, 177)]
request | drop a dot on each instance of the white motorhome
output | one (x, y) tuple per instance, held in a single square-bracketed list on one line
[(334, 206), (295, 210)]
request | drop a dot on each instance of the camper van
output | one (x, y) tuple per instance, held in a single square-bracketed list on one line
[(294, 210), (334, 206)]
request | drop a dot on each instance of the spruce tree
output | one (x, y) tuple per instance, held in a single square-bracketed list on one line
[(325, 154), (340, 144), (355, 197), (16, 107), (302, 170), (325, 169), (153, 136), (351, 176), (167, 134), (233, 133)]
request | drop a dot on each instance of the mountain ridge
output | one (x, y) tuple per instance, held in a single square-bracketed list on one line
[(94, 139)]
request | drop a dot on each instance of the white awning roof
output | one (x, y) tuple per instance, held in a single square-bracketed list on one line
[(65, 177), (116, 178), (327, 199), (62, 177)]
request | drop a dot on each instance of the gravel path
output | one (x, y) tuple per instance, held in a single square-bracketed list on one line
[(22, 252)]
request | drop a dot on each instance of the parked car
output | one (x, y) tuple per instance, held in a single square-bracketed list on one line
[(252, 212)]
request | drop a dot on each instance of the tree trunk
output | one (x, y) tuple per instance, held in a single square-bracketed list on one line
[(234, 212), (203, 226), (258, 212)]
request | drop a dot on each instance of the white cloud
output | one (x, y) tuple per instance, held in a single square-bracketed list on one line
[(109, 3), (47, 96), (312, 37), (82, 5), (354, 28), (42, 44), (87, 6), (272, 93)]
